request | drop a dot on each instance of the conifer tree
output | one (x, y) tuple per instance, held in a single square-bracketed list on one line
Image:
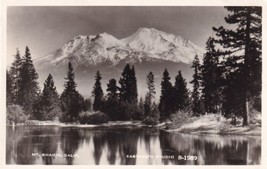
[(197, 104), (97, 93), (134, 93), (242, 46), (28, 89), (150, 94), (211, 79), (181, 98), (125, 84), (128, 82), (71, 100), (165, 104), (14, 73), (113, 106), (49, 105)]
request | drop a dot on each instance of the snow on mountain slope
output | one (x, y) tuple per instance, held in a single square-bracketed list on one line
[(163, 46), (92, 49), (145, 43)]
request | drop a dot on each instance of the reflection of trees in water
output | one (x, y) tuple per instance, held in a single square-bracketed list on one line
[(254, 151), (99, 143), (49, 144), (128, 146), (13, 137), (27, 140), (112, 145), (25, 147), (167, 146), (209, 149), (85, 136), (120, 142), (125, 143), (70, 139), (149, 136)]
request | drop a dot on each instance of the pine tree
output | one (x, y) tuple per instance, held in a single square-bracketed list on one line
[(49, 105), (165, 106), (97, 93), (9, 89), (27, 83), (125, 83), (181, 93), (242, 46), (128, 82), (134, 93), (71, 100), (15, 76), (197, 104), (112, 105), (150, 94), (211, 79)]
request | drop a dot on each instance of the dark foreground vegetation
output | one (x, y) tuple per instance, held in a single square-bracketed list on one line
[(226, 82)]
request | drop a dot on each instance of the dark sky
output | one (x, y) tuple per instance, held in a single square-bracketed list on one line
[(45, 29)]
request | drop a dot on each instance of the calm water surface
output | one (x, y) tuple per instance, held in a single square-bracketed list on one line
[(126, 146)]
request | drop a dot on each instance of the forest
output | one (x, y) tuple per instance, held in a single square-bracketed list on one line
[(226, 82)]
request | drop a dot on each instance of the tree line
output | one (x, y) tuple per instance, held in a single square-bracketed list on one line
[(120, 102), (227, 81)]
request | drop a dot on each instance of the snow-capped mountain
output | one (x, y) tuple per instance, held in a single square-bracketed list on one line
[(148, 49), (92, 49), (163, 46), (144, 44)]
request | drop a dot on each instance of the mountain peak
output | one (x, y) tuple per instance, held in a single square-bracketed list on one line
[(149, 31), (144, 43), (145, 29)]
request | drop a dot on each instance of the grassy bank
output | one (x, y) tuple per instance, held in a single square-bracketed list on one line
[(216, 124)]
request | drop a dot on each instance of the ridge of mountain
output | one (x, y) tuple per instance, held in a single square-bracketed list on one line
[(146, 43)]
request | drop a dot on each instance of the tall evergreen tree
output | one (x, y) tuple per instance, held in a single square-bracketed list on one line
[(128, 83), (71, 100), (49, 104), (150, 94), (165, 106), (124, 83), (211, 79), (242, 46), (113, 106), (97, 93), (15, 76), (134, 93), (27, 83), (181, 98), (197, 104)]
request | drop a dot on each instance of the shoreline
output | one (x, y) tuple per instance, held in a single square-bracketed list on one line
[(253, 130), (234, 131), (108, 124), (217, 124)]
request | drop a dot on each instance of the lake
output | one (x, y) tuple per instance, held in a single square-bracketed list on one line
[(126, 146)]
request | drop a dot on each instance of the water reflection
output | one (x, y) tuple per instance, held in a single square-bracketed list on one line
[(126, 146)]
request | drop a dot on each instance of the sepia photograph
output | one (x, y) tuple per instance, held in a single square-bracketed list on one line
[(133, 85)]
